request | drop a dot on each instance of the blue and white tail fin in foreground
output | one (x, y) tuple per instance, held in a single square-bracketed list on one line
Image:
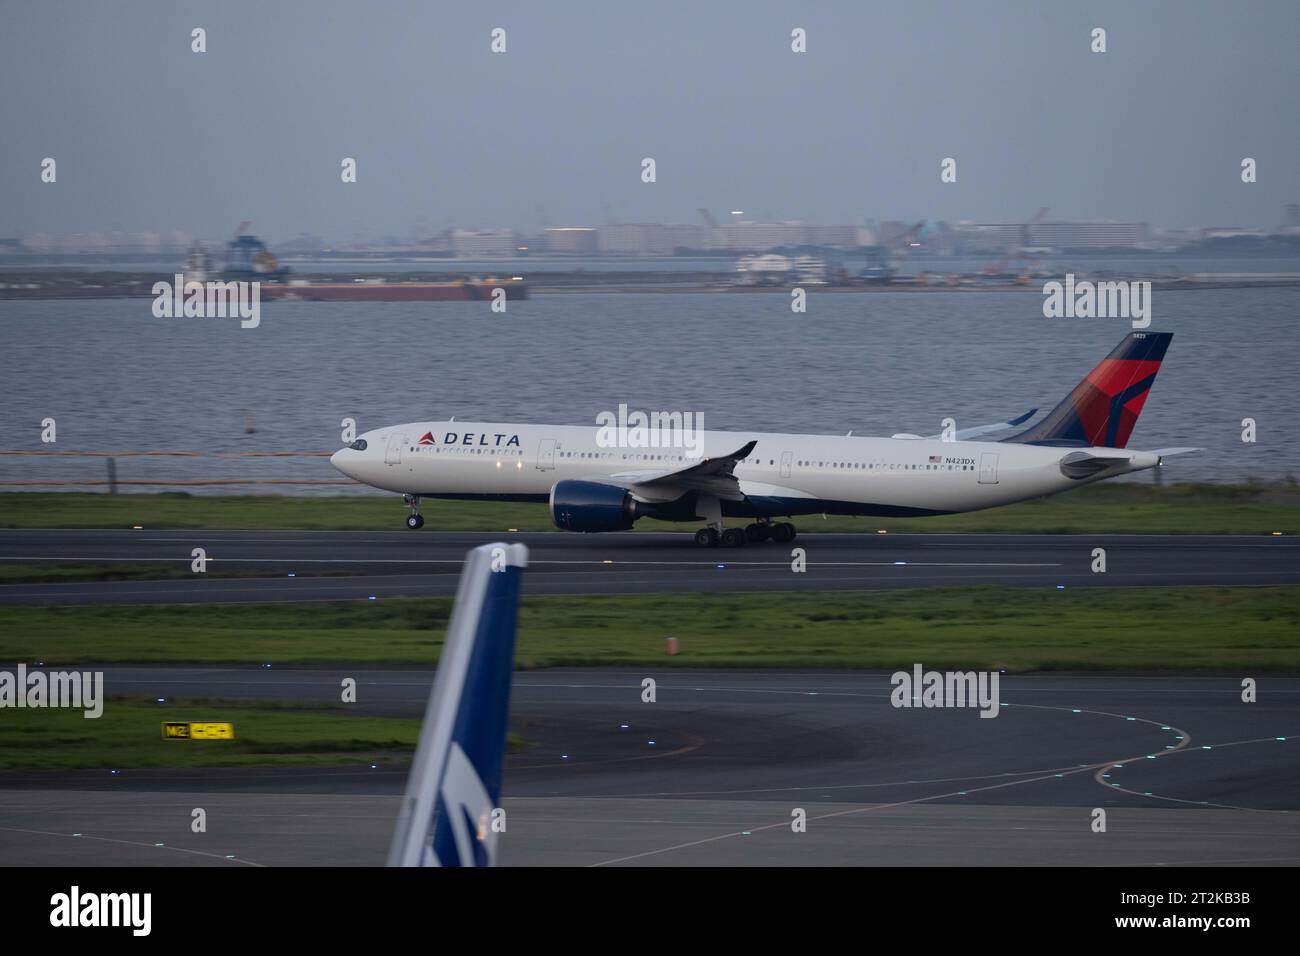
[(447, 814)]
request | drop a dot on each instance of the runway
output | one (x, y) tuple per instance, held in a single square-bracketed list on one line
[(355, 565), (712, 771)]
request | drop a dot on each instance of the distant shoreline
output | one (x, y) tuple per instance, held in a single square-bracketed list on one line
[(64, 284)]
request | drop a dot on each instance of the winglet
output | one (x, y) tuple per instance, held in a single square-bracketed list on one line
[(738, 454), (447, 814)]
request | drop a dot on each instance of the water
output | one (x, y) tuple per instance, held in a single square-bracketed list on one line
[(114, 377)]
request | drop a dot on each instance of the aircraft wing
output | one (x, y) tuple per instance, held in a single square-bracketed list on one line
[(448, 816), (714, 476), (977, 430)]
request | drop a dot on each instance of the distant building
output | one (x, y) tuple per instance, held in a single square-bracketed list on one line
[(840, 237), (1000, 236), (484, 243), (571, 241), (646, 239), (760, 236)]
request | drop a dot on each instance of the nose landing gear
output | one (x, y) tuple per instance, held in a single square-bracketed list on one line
[(414, 520)]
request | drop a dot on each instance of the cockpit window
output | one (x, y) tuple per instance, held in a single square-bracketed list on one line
[(358, 445)]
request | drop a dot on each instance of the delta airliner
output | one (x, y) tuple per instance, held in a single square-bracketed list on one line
[(592, 487)]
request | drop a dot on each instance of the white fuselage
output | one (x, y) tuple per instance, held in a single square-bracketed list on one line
[(787, 474)]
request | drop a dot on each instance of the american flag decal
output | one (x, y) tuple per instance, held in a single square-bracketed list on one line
[(936, 459)]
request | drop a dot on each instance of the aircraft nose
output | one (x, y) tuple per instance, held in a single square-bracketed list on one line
[(337, 460)]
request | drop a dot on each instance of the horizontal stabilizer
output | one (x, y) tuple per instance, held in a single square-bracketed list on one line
[(965, 434)]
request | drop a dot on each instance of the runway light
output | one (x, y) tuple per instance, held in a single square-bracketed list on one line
[(650, 742), (160, 700), (1277, 534), (160, 844), (744, 833), (230, 856), (881, 531), (1166, 728), (622, 726), (900, 562), (721, 565), (266, 665), (137, 527), (115, 771), (1130, 718), (292, 575), (607, 561), (1076, 711), (564, 756), (1060, 587), (371, 598), (512, 529), (374, 766), (76, 834), (1279, 738)]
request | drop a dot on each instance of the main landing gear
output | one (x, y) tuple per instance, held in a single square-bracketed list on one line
[(781, 533), (414, 520)]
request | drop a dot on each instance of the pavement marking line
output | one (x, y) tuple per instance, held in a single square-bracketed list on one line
[(176, 849), (585, 561), (1198, 803), (1098, 767)]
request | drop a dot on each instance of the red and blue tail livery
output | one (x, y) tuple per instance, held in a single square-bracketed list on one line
[(1104, 407)]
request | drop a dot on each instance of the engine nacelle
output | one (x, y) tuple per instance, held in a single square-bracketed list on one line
[(591, 506)]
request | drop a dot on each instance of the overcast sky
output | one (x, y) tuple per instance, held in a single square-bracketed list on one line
[(150, 136)]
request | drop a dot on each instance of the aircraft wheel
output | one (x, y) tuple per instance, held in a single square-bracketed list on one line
[(706, 538), (757, 532), (733, 538), (414, 521), (783, 533)]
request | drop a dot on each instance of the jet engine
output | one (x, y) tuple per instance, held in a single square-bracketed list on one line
[(592, 506)]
